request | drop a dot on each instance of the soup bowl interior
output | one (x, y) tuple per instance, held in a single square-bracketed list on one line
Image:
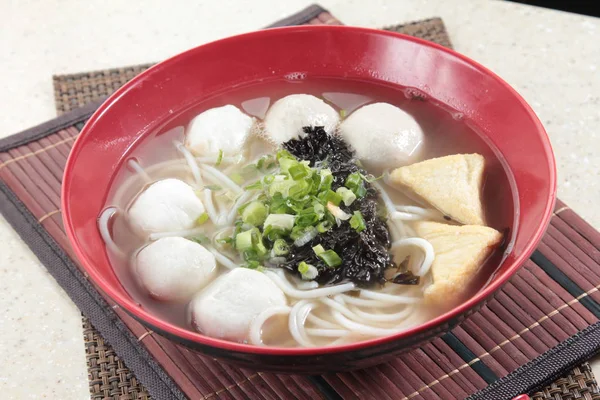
[(148, 102)]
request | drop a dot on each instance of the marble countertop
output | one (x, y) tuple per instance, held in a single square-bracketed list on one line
[(552, 58)]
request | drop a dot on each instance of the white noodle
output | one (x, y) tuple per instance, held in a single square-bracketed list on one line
[(397, 317), (182, 233), (296, 323), (389, 298), (221, 259), (189, 158), (255, 332), (362, 329), (304, 285), (140, 171), (365, 302), (287, 288), (105, 232), (336, 333), (221, 178), (423, 245), (321, 323)]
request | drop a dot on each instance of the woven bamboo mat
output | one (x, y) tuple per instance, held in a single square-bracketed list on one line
[(543, 323)]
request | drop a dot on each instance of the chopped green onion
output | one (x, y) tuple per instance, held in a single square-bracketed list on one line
[(268, 179), (281, 154), (297, 172), (251, 264), (348, 195), (219, 158), (361, 191), (337, 212), (280, 248), (329, 196), (326, 179), (353, 181), (324, 226), (255, 213), (202, 219), (371, 178), (227, 240), (330, 258), (319, 209), (357, 222), (243, 241), (307, 271), (237, 178), (284, 222), (318, 249), (254, 186)]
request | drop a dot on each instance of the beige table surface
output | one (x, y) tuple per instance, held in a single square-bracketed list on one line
[(552, 58)]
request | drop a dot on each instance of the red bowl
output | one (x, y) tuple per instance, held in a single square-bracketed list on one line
[(367, 55)]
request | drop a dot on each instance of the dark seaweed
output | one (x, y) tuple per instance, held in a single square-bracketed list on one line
[(406, 278), (365, 255)]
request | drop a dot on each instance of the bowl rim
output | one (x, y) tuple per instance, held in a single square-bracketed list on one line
[(187, 335)]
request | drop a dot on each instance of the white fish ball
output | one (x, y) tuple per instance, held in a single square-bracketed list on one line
[(174, 268), (165, 206), (383, 135), (226, 308), (287, 116), (222, 128)]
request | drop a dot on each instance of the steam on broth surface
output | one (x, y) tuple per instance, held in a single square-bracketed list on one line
[(251, 218)]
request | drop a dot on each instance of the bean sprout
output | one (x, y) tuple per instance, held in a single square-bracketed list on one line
[(189, 158), (140, 171), (220, 178)]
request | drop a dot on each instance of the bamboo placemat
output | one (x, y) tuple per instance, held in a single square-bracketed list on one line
[(542, 323)]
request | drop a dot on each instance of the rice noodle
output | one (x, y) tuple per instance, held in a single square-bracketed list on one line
[(189, 158), (105, 231), (220, 178), (423, 245), (134, 165), (321, 323), (288, 289), (255, 331), (362, 329), (388, 298), (396, 317), (326, 332), (296, 321)]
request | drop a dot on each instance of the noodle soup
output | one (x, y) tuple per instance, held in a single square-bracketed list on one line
[(308, 213)]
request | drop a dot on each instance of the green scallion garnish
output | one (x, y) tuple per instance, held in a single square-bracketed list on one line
[(357, 222), (331, 258), (202, 219), (255, 213), (219, 158), (280, 248)]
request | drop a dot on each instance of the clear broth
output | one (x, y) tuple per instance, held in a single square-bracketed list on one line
[(446, 132)]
